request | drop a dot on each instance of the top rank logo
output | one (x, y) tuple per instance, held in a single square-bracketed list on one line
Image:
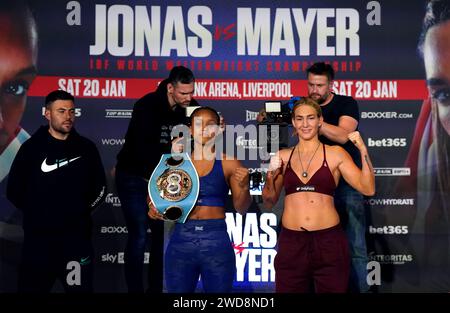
[(118, 113)]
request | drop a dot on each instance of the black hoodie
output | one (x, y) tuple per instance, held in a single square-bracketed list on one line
[(57, 183), (148, 134)]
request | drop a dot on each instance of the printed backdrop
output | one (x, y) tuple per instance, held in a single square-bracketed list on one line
[(110, 53)]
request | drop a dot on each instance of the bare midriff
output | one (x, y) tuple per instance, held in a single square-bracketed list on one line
[(201, 212), (309, 211)]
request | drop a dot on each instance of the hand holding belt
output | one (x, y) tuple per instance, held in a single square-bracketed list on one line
[(173, 187)]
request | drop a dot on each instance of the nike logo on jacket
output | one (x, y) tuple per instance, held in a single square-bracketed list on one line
[(59, 163)]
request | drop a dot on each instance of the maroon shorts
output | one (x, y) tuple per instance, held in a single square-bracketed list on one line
[(312, 259)]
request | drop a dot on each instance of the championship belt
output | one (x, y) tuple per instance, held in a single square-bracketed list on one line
[(174, 186)]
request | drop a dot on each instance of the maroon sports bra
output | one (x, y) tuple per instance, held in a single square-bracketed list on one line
[(322, 181)]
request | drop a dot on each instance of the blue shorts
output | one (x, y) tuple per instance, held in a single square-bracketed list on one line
[(200, 248)]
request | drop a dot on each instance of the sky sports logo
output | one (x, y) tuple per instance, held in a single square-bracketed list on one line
[(392, 171), (118, 258)]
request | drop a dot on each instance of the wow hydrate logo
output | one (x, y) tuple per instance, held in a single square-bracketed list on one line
[(254, 239), (182, 31)]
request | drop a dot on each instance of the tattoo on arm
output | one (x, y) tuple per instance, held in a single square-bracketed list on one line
[(367, 160)]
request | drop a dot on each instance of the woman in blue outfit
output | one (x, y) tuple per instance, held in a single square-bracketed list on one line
[(201, 247)]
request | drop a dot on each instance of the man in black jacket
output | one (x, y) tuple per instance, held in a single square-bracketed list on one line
[(148, 136), (57, 179)]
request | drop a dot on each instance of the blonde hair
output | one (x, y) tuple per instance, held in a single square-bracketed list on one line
[(308, 102)]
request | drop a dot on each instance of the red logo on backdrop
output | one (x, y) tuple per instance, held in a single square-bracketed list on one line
[(238, 247), (224, 32)]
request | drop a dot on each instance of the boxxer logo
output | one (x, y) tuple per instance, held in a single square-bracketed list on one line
[(114, 230), (386, 115)]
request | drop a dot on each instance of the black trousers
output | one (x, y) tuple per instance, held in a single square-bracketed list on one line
[(132, 192), (46, 258)]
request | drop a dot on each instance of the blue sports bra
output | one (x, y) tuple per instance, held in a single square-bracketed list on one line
[(213, 187)]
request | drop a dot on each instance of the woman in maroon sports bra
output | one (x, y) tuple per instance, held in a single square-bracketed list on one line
[(312, 247)]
